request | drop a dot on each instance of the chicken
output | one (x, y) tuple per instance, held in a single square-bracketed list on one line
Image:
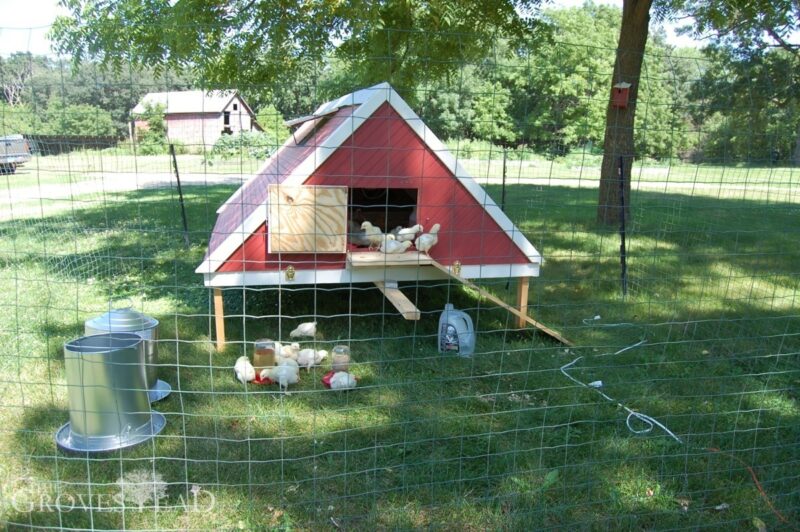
[(284, 375), (289, 351), (308, 328), (373, 234), (244, 370), (408, 233), (343, 380), (356, 235), (393, 246), (309, 357), (426, 241), (282, 361)]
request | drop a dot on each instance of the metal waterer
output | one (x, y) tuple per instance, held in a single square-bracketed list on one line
[(108, 404), (128, 320)]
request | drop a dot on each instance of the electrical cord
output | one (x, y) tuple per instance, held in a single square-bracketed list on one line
[(650, 422)]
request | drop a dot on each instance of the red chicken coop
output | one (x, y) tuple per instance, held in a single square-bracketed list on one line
[(365, 157)]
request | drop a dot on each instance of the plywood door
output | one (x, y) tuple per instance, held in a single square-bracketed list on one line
[(307, 219)]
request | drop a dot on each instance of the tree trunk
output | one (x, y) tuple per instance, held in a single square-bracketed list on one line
[(618, 141)]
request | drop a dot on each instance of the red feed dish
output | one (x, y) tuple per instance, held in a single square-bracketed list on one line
[(259, 380), (326, 379)]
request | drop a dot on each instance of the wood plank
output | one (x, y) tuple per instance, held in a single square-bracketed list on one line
[(522, 299), (398, 299), (219, 318), (307, 219), (367, 259), (491, 297)]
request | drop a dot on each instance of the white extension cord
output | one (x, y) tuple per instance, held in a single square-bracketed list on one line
[(648, 421)]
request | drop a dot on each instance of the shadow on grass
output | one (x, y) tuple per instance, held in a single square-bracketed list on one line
[(433, 439)]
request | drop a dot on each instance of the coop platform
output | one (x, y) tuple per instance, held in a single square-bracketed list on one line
[(376, 259)]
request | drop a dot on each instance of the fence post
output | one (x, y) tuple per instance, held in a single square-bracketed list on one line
[(180, 195), (622, 255)]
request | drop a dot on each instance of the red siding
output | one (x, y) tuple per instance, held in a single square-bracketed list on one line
[(386, 152), (251, 257)]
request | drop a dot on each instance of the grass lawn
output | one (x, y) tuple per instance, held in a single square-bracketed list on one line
[(498, 441), (87, 165)]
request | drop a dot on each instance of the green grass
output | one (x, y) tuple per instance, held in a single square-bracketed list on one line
[(498, 441), (89, 165)]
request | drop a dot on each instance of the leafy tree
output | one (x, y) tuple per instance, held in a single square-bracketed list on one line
[(76, 119), (117, 93), (558, 90), (445, 112), (749, 106), (152, 138), (246, 41), (17, 119), (748, 26), (15, 75), (271, 121), (751, 32)]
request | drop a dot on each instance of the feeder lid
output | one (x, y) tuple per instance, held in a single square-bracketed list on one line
[(122, 320)]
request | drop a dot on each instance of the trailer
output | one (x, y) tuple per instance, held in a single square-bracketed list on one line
[(14, 152)]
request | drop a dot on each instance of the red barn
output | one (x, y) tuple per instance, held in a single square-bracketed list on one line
[(364, 156)]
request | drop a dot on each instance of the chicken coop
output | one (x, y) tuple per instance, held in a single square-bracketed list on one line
[(366, 156)]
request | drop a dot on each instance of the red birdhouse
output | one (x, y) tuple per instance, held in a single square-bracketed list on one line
[(620, 95)]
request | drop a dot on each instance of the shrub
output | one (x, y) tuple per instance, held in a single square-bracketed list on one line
[(246, 144)]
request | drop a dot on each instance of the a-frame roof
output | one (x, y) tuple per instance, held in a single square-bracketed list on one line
[(317, 138)]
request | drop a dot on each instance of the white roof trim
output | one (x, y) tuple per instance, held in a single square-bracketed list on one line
[(369, 100)]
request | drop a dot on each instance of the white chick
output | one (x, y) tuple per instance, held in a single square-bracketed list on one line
[(244, 370), (385, 239), (284, 375), (310, 357), (290, 351), (342, 380), (408, 233), (308, 328), (426, 241), (372, 233), (287, 362), (393, 246)]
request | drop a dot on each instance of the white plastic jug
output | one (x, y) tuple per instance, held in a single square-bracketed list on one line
[(456, 333)]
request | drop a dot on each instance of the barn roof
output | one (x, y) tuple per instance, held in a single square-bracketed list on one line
[(181, 102), (317, 138)]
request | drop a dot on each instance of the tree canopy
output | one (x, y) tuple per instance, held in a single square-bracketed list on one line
[(540, 86), (250, 41)]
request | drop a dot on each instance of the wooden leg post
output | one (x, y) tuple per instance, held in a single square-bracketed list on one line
[(219, 318), (522, 300)]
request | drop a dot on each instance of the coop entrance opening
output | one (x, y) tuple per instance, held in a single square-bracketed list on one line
[(384, 207)]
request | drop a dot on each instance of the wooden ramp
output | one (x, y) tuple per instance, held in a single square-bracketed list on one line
[(398, 299), (494, 299)]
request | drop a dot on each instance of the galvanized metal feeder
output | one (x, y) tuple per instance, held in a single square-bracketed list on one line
[(108, 404), (129, 320)]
